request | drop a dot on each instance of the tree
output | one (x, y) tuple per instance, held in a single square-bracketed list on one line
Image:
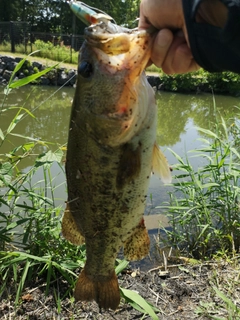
[(124, 12), (56, 16), (9, 11)]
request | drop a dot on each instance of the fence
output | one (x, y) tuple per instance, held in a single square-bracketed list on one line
[(19, 33)]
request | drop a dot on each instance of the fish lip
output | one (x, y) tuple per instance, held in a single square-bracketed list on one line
[(97, 32)]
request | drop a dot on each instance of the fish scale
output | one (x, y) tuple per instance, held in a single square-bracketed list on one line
[(111, 152)]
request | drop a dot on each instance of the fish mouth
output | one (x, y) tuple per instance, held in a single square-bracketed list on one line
[(98, 36), (127, 49)]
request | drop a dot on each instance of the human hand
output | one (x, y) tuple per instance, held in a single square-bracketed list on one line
[(171, 50)]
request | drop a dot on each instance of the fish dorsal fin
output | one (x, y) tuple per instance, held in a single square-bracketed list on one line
[(160, 165)]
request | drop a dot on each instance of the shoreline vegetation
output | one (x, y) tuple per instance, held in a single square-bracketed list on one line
[(199, 275), (226, 83)]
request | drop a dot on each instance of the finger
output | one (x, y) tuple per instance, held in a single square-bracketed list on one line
[(183, 60), (161, 46), (143, 22), (179, 58), (167, 65)]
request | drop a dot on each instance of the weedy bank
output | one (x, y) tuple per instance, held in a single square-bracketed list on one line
[(204, 214), (46, 50), (203, 210), (199, 81), (204, 207)]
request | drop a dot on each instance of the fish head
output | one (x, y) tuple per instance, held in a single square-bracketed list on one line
[(110, 82)]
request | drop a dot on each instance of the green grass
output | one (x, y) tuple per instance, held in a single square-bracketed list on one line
[(45, 50), (204, 206), (224, 292), (199, 81), (204, 214)]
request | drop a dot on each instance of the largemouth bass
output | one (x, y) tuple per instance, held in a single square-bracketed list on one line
[(111, 152)]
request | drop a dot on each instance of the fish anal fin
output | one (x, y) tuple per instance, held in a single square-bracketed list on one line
[(129, 165), (136, 247), (105, 292), (70, 230), (160, 165)]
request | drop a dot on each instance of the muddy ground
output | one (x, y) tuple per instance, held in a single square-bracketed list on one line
[(184, 291)]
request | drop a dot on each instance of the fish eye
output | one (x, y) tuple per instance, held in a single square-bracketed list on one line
[(85, 69)]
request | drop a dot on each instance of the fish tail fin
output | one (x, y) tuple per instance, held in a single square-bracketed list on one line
[(105, 292), (136, 247)]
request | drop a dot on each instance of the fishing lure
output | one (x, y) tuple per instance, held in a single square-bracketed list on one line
[(93, 16), (89, 15)]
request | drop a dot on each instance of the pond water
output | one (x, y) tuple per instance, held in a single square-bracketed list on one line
[(179, 115)]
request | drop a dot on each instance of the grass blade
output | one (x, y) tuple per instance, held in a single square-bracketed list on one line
[(134, 298), (121, 266), (229, 303), (26, 80), (22, 281)]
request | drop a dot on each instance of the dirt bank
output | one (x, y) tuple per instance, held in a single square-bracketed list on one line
[(185, 291)]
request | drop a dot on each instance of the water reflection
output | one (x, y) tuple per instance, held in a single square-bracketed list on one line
[(51, 110), (176, 111), (178, 114)]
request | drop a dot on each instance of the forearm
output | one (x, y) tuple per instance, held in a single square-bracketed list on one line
[(213, 28)]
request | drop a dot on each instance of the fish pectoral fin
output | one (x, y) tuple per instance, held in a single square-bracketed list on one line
[(136, 247), (160, 165), (105, 292), (70, 230), (129, 165)]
